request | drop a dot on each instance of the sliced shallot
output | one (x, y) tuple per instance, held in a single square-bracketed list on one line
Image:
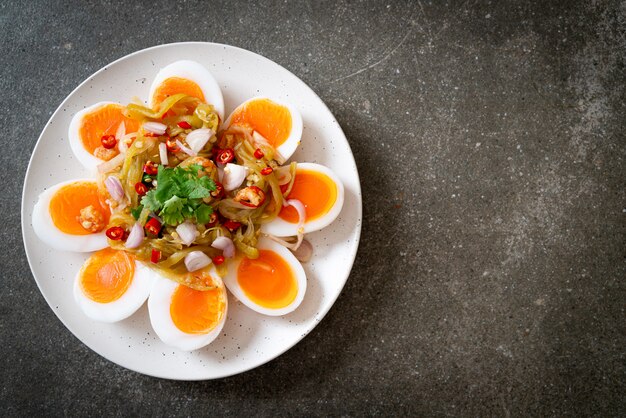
[(155, 127), (283, 174), (114, 186), (304, 252), (135, 238), (234, 175), (226, 245), (187, 232), (196, 260), (121, 131), (185, 149), (163, 153), (299, 207), (198, 138)]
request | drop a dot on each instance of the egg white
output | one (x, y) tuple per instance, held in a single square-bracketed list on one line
[(47, 231), (159, 308), (287, 148), (281, 228), (196, 72), (88, 160), (267, 244), (135, 296)]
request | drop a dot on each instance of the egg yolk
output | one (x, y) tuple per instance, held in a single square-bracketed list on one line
[(106, 275), (268, 280), (176, 85), (103, 121), (315, 190), (67, 202), (194, 311), (271, 120)]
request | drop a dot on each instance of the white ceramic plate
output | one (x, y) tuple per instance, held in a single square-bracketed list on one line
[(248, 339)]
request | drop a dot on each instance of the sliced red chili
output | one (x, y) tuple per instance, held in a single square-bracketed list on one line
[(218, 259), (171, 146), (155, 257), (267, 171), (153, 226), (232, 225), (141, 188), (225, 156), (212, 220), (258, 154), (108, 141), (151, 168), (184, 124), (219, 190), (115, 233)]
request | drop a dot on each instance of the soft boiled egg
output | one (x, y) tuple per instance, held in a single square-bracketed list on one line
[(186, 318), (190, 78), (89, 126), (278, 122), (58, 221), (112, 285), (273, 284), (320, 191)]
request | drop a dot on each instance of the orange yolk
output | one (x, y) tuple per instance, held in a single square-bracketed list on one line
[(315, 190), (270, 119), (176, 85), (106, 275), (67, 202), (268, 280), (103, 121), (194, 311)]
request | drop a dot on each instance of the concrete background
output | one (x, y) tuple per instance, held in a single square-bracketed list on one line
[(490, 140)]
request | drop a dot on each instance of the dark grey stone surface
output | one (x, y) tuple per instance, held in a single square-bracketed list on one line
[(490, 140)]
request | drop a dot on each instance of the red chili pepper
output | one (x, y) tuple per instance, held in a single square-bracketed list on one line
[(141, 188), (155, 257), (267, 171), (212, 220), (232, 225), (184, 124), (225, 156), (151, 168), (153, 226), (258, 154), (219, 190), (218, 259), (116, 233), (171, 146), (108, 141)]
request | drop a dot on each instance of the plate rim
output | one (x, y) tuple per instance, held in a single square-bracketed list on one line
[(322, 313)]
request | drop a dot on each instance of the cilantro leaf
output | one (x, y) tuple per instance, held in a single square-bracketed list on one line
[(150, 201), (203, 213), (172, 212)]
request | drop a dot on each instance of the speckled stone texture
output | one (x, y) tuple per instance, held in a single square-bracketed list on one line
[(490, 140)]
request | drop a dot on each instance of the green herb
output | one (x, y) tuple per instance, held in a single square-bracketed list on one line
[(178, 195), (136, 212)]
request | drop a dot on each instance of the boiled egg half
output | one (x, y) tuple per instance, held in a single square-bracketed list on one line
[(58, 221), (89, 126), (112, 285), (277, 122), (273, 284), (190, 78), (186, 318), (322, 194)]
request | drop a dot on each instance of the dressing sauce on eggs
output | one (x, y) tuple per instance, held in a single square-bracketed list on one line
[(315, 190), (271, 120), (267, 280), (103, 121), (176, 85), (106, 275), (67, 202)]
